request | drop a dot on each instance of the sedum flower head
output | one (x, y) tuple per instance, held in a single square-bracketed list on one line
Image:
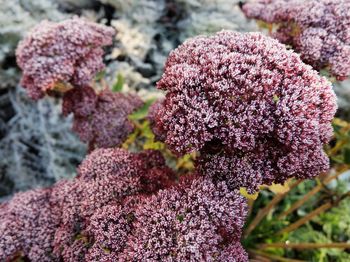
[(245, 99), (100, 119), (317, 29), (83, 220), (233, 252), (106, 178), (81, 101), (195, 221), (27, 226), (65, 52), (111, 226), (64, 221)]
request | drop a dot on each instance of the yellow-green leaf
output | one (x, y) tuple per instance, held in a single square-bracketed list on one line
[(118, 86), (244, 193), (278, 188), (142, 112)]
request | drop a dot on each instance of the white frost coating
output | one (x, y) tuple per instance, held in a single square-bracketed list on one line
[(36, 150)]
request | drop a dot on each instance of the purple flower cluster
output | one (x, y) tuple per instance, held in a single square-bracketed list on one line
[(109, 212), (255, 112), (69, 52), (195, 221), (43, 225), (27, 226), (317, 29), (100, 119)]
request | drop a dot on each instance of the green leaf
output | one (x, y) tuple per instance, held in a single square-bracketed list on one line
[(142, 112), (118, 86), (347, 155), (100, 75), (180, 218)]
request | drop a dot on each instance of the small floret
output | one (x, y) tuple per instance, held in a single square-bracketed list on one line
[(68, 52), (317, 29), (101, 119)]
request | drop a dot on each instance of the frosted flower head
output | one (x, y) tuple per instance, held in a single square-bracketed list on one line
[(65, 52), (197, 220), (234, 252), (107, 175), (156, 174), (101, 119), (317, 29), (105, 178), (27, 226), (80, 204), (108, 162), (248, 98), (81, 101), (111, 225), (83, 218)]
